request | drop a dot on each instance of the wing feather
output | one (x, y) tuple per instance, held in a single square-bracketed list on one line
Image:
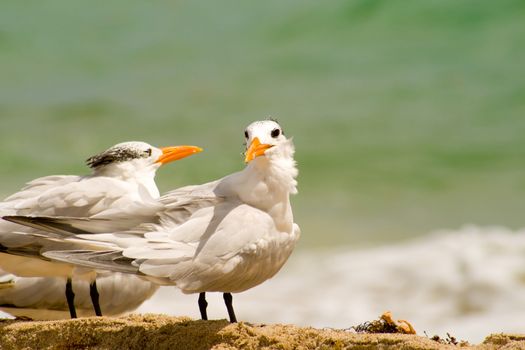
[(106, 260)]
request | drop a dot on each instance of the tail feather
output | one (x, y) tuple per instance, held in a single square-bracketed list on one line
[(64, 226)]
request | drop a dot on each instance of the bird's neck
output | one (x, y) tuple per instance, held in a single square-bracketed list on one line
[(267, 184), (278, 174), (143, 178)]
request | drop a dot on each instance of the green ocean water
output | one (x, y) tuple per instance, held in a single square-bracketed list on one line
[(407, 115)]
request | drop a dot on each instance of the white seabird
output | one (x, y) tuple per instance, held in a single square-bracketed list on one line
[(123, 178), (42, 298), (224, 236)]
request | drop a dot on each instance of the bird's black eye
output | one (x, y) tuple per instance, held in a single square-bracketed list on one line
[(148, 152), (246, 133), (276, 132)]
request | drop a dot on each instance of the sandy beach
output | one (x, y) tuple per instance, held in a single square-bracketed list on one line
[(164, 332)]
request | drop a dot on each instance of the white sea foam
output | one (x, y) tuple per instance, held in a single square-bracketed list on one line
[(469, 282)]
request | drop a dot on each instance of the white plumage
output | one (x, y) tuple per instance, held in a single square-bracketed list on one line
[(123, 178), (225, 236), (42, 298)]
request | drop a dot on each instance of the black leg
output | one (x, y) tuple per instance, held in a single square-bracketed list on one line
[(203, 304), (228, 300), (70, 297), (93, 292)]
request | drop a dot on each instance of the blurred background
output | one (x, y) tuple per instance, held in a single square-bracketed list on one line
[(408, 118)]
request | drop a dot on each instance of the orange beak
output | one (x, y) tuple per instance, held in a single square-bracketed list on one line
[(255, 150), (169, 154)]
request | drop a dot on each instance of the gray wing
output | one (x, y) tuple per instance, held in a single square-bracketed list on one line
[(75, 196), (114, 203), (51, 224), (177, 207), (182, 203), (116, 221), (33, 245), (171, 210), (17, 202), (39, 186), (105, 260)]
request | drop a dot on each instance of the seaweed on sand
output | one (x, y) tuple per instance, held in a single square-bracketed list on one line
[(385, 324)]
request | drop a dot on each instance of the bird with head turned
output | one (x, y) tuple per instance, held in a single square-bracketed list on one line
[(123, 177), (228, 235)]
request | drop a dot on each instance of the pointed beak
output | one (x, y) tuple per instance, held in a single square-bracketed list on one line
[(172, 153), (255, 150)]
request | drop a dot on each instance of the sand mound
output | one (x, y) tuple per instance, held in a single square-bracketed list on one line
[(163, 332)]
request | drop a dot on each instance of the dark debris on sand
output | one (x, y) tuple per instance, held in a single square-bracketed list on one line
[(449, 340), (385, 324)]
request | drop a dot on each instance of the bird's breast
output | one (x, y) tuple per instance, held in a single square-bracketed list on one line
[(256, 263)]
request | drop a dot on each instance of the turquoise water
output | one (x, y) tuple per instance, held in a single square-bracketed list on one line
[(408, 116)]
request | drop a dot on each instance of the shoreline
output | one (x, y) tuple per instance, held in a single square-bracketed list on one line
[(152, 331)]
